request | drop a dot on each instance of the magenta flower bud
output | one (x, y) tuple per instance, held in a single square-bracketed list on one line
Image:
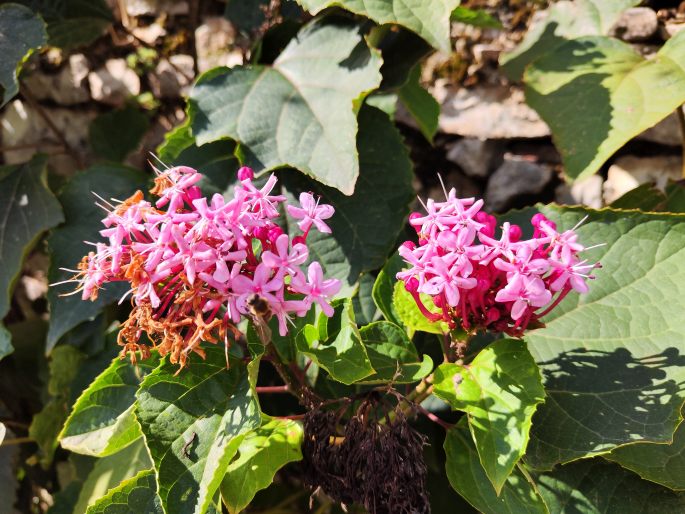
[(515, 233), (245, 173), (492, 315), (412, 285), (194, 193), (537, 219), (274, 232), (260, 233), (438, 301), (415, 216), (409, 245), (489, 222), (299, 240)]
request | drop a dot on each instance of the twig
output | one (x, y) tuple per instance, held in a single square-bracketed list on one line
[(195, 6), (31, 99), (17, 440), (272, 389), (681, 120)]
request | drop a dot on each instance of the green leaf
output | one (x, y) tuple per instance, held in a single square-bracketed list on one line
[(476, 17), (468, 478), (27, 209), (5, 342), (134, 496), (110, 471), (499, 390), (611, 363), (365, 225), (430, 19), (115, 134), (67, 246), (339, 350), (102, 421), (660, 463), (384, 287), (564, 21), (300, 112), (365, 310), (645, 197), (590, 93), (193, 421), (72, 23), (675, 198), (64, 367), (261, 454), (420, 103), (411, 316), (393, 355), (21, 31), (597, 487)]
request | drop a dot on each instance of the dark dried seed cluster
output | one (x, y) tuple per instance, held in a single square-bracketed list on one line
[(379, 466)]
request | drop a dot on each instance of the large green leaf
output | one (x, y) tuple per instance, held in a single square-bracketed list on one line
[(338, 348), (384, 288), (110, 471), (611, 360), (365, 225), (102, 421), (660, 463), (72, 23), (410, 315), (27, 208), (133, 496), (420, 103), (67, 246), (300, 112), (564, 20), (468, 478), (193, 421), (499, 390), (115, 134), (598, 487), (261, 454), (590, 91), (430, 19), (393, 355), (21, 31)]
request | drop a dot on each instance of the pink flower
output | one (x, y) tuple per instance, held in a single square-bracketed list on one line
[(315, 288), (283, 260), (525, 292), (310, 213)]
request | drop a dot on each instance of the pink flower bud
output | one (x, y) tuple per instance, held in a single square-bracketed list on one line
[(515, 233), (245, 173), (412, 285), (274, 232)]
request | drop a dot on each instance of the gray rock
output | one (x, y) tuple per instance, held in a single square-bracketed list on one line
[(172, 77), (66, 87), (629, 171), (214, 44), (487, 112), (113, 83), (476, 157), (155, 7), (515, 179), (636, 24), (666, 132), (588, 191)]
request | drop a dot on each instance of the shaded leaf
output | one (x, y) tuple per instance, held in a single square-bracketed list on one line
[(337, 348), (430, 19), (384, 287), (393, 355), (564, 20), (193, 423), (590, 93), (102, 421), (468, 478), (420, 103), (499, 390), (300, 112), (645, 197), (365, 225), (611, 364), (115, 134), (133, 496), (261, 454), (595, 486), (21, 31), (365, 310), (67, 246)]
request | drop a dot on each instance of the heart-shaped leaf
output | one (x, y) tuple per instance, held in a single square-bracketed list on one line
[(133, 496)]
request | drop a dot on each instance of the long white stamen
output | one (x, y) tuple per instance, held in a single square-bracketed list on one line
[(444, 189), (580, 222)]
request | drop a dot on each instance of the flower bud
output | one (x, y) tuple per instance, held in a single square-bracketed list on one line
[(245, 173)]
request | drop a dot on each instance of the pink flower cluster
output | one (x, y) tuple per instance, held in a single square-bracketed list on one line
[(196, 266), (482, 283)]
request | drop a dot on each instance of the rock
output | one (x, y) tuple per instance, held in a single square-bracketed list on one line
[(588, 192), (213, 44), (21, 126), (636, 24), (487, 112), (66, 87), (666, 132), (629, 171), (155, 7), (149, 34), (113, 83), (476, 157), (171, 78), (515, 180)]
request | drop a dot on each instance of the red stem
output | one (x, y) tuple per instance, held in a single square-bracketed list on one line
[(272, 389)]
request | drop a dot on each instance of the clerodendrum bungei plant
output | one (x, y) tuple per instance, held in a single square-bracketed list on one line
[(258, 323)]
